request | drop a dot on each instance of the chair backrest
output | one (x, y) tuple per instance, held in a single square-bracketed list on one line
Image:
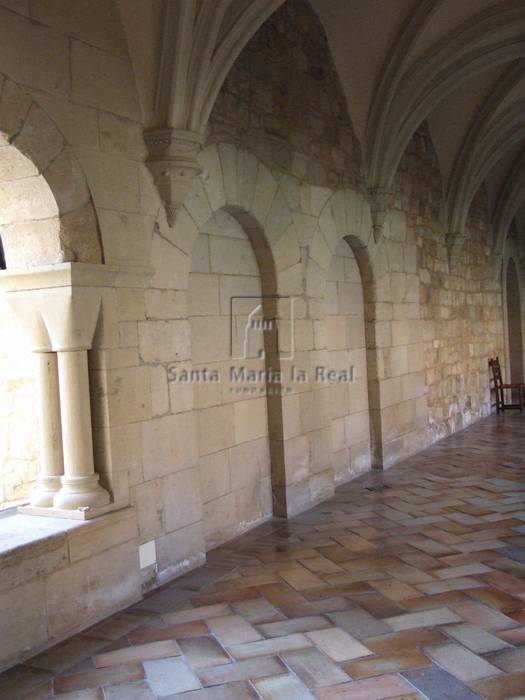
[(495, 368), (496, 372)]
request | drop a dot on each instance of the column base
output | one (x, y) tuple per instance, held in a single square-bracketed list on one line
[(45, 490), (81, 492)]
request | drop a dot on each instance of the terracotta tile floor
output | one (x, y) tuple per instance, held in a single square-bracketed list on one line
[(408, 584)]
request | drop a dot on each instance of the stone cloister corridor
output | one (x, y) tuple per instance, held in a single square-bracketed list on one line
[(262, 281), (409, 584)]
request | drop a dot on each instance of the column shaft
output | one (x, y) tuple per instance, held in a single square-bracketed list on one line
[(50, 434), (80, 487)]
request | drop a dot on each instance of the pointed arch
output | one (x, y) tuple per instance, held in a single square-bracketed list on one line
[(236, 182), (509, 201), (494, 36), (493, 131)]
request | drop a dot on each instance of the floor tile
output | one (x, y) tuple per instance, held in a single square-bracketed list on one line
[(478, 546), (338, 645), (199, 613), (248, 670), (169, 676), (514, 552), (154, 650), (228, 691), (321, 566), (63, 656), (128, 691), (505, 582), (515, 636), (461, 663), (510, 661), (299, 624), (89, 694), (426, 618), (408, 639), (282, 688), (257, 611), (451, 584), (377, 605), (504, 602), (203, 651), (380, 688), (158, 634), (302, 579), (436, 684), (511, 686), (359, 623), (100, 677), (392, 662), (394, 589), (475, 638), (315, 607), (438, 600), (483, 616), (20, 679), (270, 646), (116, 626), (233, 629), (314, 668)]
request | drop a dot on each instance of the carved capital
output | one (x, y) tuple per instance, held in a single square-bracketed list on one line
[(173, 163), (54, 312), (380, 204)]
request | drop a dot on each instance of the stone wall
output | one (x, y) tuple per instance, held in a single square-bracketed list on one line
[(346, 342), (460, 295), (282, 101), (514, 324), (61, 576), (232, 422), (18, 417)]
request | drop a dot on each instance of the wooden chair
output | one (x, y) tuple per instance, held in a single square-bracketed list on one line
[(499, 387)]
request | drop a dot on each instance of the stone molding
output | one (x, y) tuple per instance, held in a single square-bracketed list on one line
[(56, 315), (173, 162)]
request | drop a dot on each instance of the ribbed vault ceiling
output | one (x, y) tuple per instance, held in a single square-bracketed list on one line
[(459, 65)]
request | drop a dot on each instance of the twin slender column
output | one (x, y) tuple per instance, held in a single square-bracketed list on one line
[(80, 487), (59, 316), (50, 433)]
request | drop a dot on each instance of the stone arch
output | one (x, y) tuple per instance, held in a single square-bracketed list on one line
[(237, 183), (235, 180), (366, 271), (508, 203), (46, 217), (48, 214), (346, 216), (493, 132), (515, 333), (511, 271)]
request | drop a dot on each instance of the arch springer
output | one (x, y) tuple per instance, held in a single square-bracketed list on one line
[(173, 162)]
